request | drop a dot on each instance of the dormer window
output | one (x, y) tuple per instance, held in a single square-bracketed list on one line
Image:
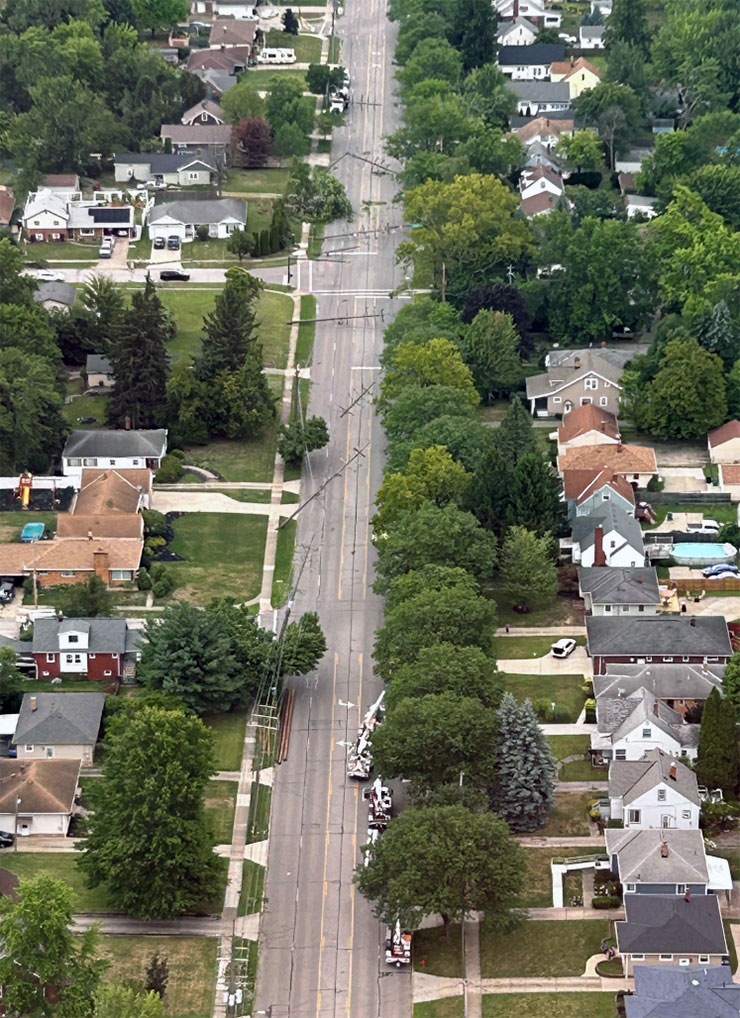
[(73, 638), (646, 733), (661, 794)]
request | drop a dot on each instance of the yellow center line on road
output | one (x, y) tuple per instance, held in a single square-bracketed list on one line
[(353, 889), (326, 840)]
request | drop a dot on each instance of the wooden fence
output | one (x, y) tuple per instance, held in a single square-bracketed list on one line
[(695, 586)]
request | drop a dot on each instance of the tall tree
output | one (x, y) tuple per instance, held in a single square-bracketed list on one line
[(155, 14), (32, 427), (628, 23), (437, 362), (443, 860), (490, 492), (229, 331), (466, 441), (104, 303), (251, 142), (478, 40), (114, 1000), (11, 681), (139, 360), (535, 495), (41, 951), (730, 682), (527, 570), (524, 767), (500, 297), (491, 352), (515, 435), (719, 333), (148, 838), (88, 599), (447, 668), (718, 759), (417, 404), (431, 475)]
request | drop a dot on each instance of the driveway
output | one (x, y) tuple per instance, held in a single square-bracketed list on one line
[(680, 479), (680, 454), (576, 663)]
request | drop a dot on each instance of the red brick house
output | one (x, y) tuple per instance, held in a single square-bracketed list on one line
[(102, 649), (657, 639)]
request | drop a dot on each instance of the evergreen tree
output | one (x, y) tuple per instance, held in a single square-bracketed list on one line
[(489, 494), (718, 333), (515, 435), (229, 330), (732, 380), (478, 43), (491, 353), (528, 575), (535, 495), (243, 401), (628, 23), (157, 975), (524, 767), (11, 681), (139, 360), (718, 760), (730, 680)]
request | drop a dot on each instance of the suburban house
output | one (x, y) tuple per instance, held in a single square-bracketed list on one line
[(576, 378), (663, 639), (699, 991), (535, 98), (7, 204), (181, 170), (98, 373), (540, 180), (680, 686), (104, 492), (233, 32), (100, 525), (122, 450), (73, 560), (37, 796), (541, 203), (619, 591), (229, 61), (204, 112), (587, 490), (49, 217), (591, 37), (607, 536), (661, 861), (59, 726), (667, 929), (579, 75), (636, 463), (587, 425), (519, 32), (529, 63), (543, 131), (632, 161), (628, 726), (55, 296), (724, 443), (235, 8), (538, 155), (65, 184), (195, 139), (657, 792), (640, 205), (101, 648), (182, 218), (217, 82), (535, 11)]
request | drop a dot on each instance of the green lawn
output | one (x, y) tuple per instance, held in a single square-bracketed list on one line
[(223, 556), (569, 816), (568, 745), (437, 955), (557, 613), (12, 523), (258, 820), (274, 312), (731, 853), (220, 803), (228, 733), (554, 1005), (306, 332), (537, 891), (307, 47), (86, 406), (283, 563), (61, 251), (192, 965), (260, 76), (581, 770), (558, 947), (565, 691), (64, 866), (448, 1007), (253, 886), (723, 513), (509, 647), (188, 306), (271, 181)]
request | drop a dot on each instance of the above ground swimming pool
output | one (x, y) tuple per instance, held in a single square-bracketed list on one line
[(32, 532), (694, 553)]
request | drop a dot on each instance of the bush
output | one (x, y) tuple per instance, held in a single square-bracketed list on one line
[(618, 824), (590, 708), (144, 580), (170, 470), (178, 453), (201, 232), (605, 901), (164, 585), (153, 545), (548, 714), (655, 484), (155, 525)]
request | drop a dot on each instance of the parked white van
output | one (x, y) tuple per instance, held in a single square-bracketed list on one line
[(276, 56)]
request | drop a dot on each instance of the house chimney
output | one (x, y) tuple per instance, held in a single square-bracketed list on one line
[(599, 556), (639, 578), (100, 564), (576, 362), (672, 772), (34, 703), (619, 446), (687, 896), (89, 535), (692, 621), (515, 11), (603, 425), (663, 850)]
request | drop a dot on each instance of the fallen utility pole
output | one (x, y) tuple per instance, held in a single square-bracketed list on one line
[(339, 318), (363, 392), (327, 482)]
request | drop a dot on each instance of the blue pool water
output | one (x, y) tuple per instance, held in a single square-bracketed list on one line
[(695, 552), (32, 532)]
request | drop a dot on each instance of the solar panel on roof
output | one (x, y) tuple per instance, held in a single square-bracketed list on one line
[(116, 215)]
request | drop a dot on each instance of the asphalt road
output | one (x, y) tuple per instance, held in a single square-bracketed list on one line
[(321, 950)]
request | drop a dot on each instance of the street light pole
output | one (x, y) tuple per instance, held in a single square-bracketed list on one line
[(290, 249)]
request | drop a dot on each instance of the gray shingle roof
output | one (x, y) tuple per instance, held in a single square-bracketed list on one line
[(666, 681), (629, 779), (163, 162), (670, 991), (122, 443), (60, 719), (620, 717), (541, 91), (195, 135), (105, 636), (666, 924), (702, 635), (60, 293), (201, 212), (536, 53), (98, 364), (616, 585), (611, 517), (640, 858)]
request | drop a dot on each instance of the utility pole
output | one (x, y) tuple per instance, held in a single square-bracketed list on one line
[(327, 482)]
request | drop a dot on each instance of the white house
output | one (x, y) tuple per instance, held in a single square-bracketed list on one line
[(204, 112), (724, 443), (617, 591), (529, 63), (532, 10), (535, 98), (632, 161), (587, 425), (182, 218), (608, 536), (37, 796), (45, 215), (655, 792), (176, 168), (127, 449), (59, 726), (591, 37), (640, 205), (539, 180), (519, 32), (627, 727), (225, 8)]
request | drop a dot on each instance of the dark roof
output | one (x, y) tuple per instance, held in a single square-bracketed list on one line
[(43, 786), (541, 91), (699, 635), (105, 636), (612, 518), (518, 121), (98, 364), (60, 293), (694, 991), (199, 212), (110, 214), (629, 779), (109, 443), (537, 53), (658, 856), (666, 924), (616, 585), (60, 719), (679, 680)]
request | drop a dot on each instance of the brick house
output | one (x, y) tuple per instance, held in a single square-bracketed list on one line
[(73, 560), (100, 648), (48, 216), (655, 640)]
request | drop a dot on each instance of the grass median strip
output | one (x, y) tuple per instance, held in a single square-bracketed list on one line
[(220, 803), (253, 885)]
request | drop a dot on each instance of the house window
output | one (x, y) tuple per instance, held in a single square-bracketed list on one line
[(661, 795), (638, 957), (686, 814), (684, 752), (646, 733), (684, 961), (586, 400), (75, 462), (38, 236), (193, 176), (135, 462), (37, 222), (666, 957), (641, 608), (634, 816), (56, 222), (107, 672), (51, 658), (630, 888), (607, 609), (73, 637), (557, 399), (85, 232), (703, 959), (29, 749), (621, 754), (120, 574), (90, 461), (49, 752), (111, 463), (603, 401), (680, 888), (56, 236), (73, 659), (591, 383), (92, 656)]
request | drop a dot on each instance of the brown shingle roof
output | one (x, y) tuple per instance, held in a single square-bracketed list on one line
[(724, 433), (100, 525), (62, 180), (570, 67), (535, 127), (587, 418), (581, 484), (232, 32), (111, 491), (622, 459), (7, 203), (729, 473), (537, 203), (219, 60), (43, 786), (68, 553)]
